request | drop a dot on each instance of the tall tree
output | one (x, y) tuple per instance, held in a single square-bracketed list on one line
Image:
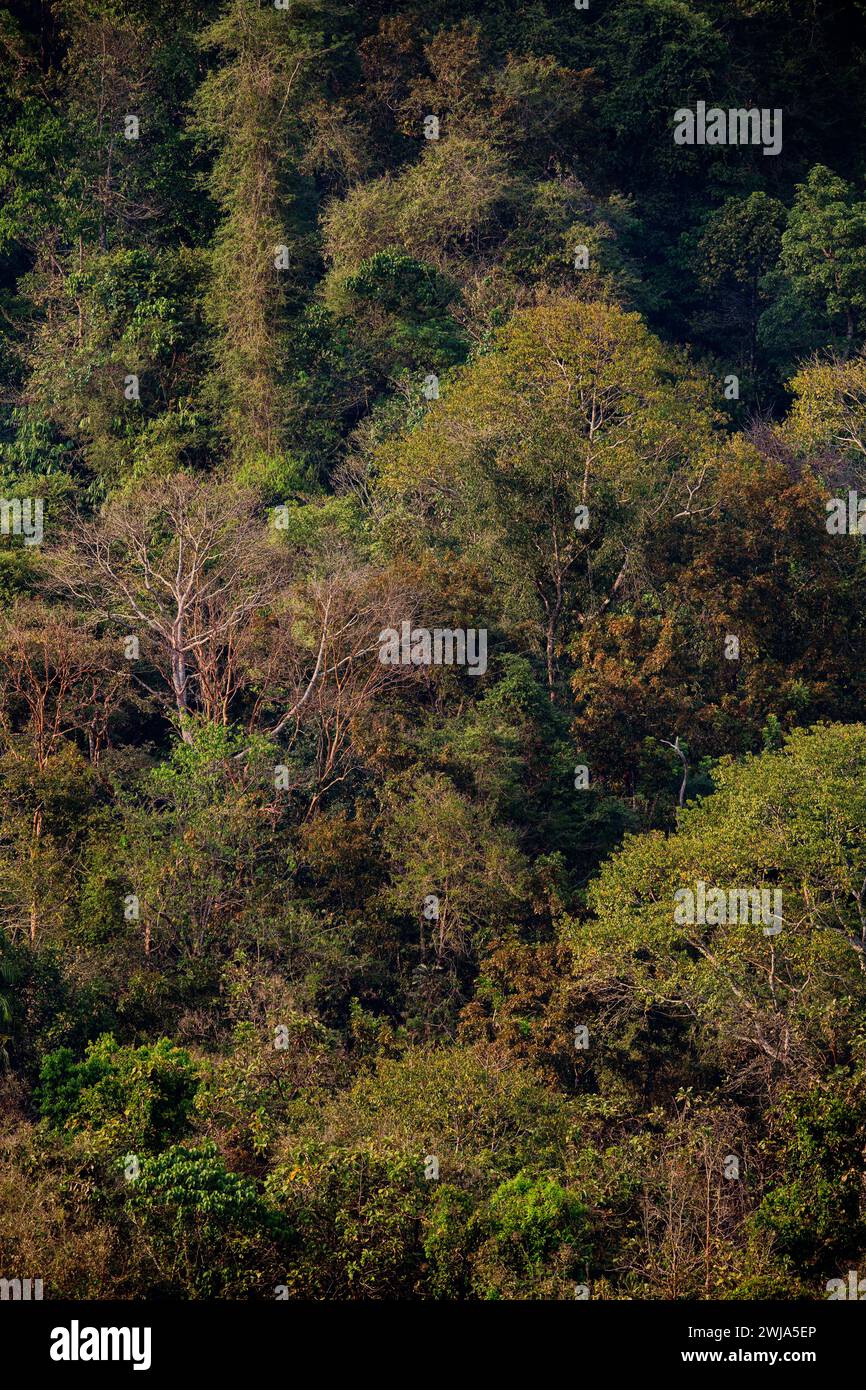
[(824, 250), (269, 62), (549, 459)]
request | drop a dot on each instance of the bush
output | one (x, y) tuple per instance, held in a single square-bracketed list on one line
[(120, 1097)]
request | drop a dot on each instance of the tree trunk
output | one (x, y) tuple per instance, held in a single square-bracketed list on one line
[(34, 860), (178, 684), (551, 663)]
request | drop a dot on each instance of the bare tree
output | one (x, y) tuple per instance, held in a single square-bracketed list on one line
[(58, 679), (322, 674), (188, 566), (234, 634), (681, 800)]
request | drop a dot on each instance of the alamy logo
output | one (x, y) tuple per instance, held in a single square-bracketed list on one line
[(21, 1290), (22, 517), (442, 647), (846, 516), (717, 906), (77, 1343), (854, 1288), (734, 127)]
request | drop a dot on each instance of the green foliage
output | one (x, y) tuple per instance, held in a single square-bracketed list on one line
[(815, 1211), (121, 1098), (287, 368), (208, 1233), (824, 248), (358, 1220), (535, 1216), (713, 992)]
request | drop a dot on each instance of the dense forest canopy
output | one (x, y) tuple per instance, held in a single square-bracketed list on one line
[(432, 648)]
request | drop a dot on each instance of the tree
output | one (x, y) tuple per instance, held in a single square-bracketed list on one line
[(106, 275), (551, 460), (824, 249), (123, 1099), (666, 668), (60, 678), (760, 1004), (270, 62), (813, 1211), (440, 844), (202, 1231), (185, 569), (828, 415), (739, 246), (61, 681)]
